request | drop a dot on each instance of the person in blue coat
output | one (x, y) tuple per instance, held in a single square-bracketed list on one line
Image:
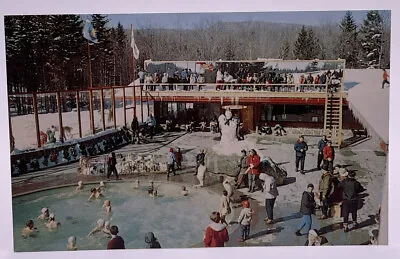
[(321, 144), (301, 149)]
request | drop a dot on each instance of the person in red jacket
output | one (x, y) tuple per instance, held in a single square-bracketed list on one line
[(116, 241), (216, 232), (253, 162), (329, 156)]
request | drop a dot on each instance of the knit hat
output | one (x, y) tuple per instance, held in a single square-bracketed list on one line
[(171, 149), (352, 174), (310, 185)]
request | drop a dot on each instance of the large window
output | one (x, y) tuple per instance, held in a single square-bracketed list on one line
[(292, 113)]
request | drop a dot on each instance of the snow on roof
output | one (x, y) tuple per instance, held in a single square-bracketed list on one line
[(368, 101)]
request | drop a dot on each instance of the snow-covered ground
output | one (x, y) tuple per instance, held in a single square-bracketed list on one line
[(368, 101), (24, 132)]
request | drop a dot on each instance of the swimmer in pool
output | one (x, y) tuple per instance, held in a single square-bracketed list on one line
[(45, 214), (29, 230), (99, 227), (107, 206), (52, 224), (80, 186), (95, 193), (71, 246), (184, 191), (137, 184), (102, 184), (106, 228)]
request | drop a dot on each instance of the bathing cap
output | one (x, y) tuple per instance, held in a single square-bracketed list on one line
[(107, 224), (80, 183), (44, 210), (52, 216)]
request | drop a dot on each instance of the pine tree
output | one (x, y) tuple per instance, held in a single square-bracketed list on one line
[(301, 45), (313, 46), (284, 50), (371, 40), (229, 50), (348, 45)]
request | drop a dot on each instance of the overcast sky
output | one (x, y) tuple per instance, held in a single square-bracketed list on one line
[(188, 20)]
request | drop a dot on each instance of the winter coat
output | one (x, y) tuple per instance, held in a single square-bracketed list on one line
[(325, 185), (300, 145), (321, 145), (323, 79), (270, 189), (116, 243), (151, 241), (200, 159), (255, 160), (351, 189), (225, 206), (329, 153), (307, 206), (134, 125), (216, 235), (242, 164), (245, 216), (178, 156), (170, 158), (111, 162)]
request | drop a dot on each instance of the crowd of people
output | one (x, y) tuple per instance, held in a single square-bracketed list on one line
[(243, 79)]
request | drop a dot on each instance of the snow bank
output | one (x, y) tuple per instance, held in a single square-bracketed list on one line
[(368, 102)]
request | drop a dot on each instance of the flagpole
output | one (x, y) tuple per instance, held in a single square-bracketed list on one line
[(90, 91), (134, 87)]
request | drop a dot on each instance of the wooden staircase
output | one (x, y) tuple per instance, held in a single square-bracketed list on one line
[(333, 117)]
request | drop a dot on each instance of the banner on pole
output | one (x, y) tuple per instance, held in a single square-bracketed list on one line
[(134, 47), (89, 32)]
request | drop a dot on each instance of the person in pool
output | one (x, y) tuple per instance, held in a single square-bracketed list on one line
[(52, 224), (102, 184), (107, 229), (107, 206), (95, 193), (71, 245), (137, 184), (99, 227), (184, 191), (29, 230), (151, 190), (45, 214), (80, 186)]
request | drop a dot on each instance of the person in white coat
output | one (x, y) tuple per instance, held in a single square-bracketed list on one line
[(225, 207), (270, 192), (228, 187)]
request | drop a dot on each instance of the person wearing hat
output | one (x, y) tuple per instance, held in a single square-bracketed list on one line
[(242, 166), (200, 160), (170, 162), (178, 158), (216, 232), (116, 241), (301, 148), (253, 162), (45, 214), (307, 208), (244, 220), (329, 155), (52, 224), (321, 144), (324, 190), (351, 190)]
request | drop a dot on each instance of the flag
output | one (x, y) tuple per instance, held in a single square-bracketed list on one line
[(88, 32), (134, 47)]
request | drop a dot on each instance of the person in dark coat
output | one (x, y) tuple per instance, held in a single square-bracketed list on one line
[(151, 241), (116, 241), (325, 189), (111, 166), (301, 149), (307, 208), (242, 167), (135, 130), (200, 160), (321, 144), (178, 158), (351, 191)]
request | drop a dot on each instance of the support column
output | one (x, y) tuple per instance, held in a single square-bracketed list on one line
[(78, 108), (60, 122), (35, 110), (124, 100), (102, 109), (113, 107)]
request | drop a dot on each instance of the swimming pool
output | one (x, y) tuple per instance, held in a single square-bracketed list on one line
[(177, 221)]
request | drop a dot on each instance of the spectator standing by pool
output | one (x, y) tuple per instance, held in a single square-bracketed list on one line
[(116, 241), (216, 233), (301, 148), (321, 144), (170, 162)]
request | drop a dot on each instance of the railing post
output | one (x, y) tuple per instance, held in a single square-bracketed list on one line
[(60, 122), (36, 112), (103, 121), (78, 108), (113, 107), (124, 100)]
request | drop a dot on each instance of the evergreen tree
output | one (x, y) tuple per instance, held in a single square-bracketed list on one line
[(230, 50), (284, 50), (371, 40), (313, 46), (348, 45), (301, 45)]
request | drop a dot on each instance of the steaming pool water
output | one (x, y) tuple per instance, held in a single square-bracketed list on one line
[(177, 221)]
